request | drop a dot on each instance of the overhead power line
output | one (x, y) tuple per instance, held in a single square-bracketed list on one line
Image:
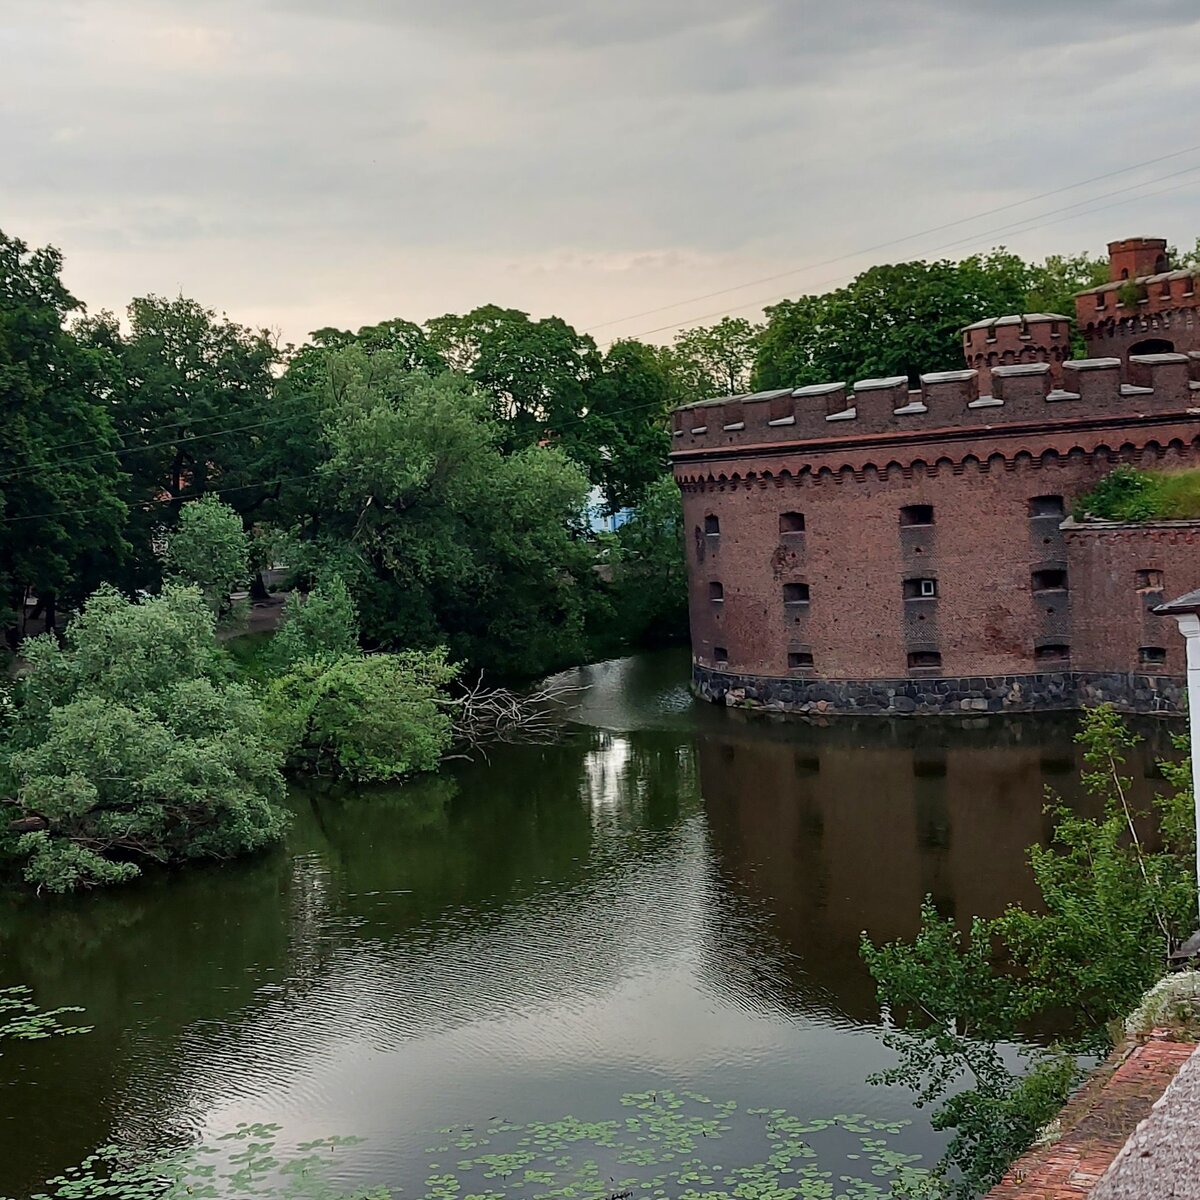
[(894, 241)]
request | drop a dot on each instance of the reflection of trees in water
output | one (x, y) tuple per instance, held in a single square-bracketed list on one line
[(472, 895), (539, 882), (829, 832)]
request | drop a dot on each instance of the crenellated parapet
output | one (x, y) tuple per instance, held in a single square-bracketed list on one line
[(1015, 340), (947, 402)]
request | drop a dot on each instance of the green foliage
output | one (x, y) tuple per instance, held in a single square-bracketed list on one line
[(21, 1020), (716, 360), (441, 537), (195, 403), (624, 441), (1129, 494), (129, 746), (1054, 284), (648, 571), (536, 374), (209, 549), (891, 320), (367, 718), (323, 625), (665, 1144), (62, 510), (1111, 910)]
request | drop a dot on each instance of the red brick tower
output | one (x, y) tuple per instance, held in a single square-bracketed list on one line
[(1024, 338), (1145, 308)]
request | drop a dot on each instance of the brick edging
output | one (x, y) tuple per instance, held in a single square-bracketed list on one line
[(1096, 1122)]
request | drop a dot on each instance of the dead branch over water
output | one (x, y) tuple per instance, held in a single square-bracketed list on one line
[(486, 716)]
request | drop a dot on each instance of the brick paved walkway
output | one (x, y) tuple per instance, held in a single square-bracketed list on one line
[(1096, 1124)]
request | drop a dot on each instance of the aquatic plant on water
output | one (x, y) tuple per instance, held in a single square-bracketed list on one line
[(661, 1146)]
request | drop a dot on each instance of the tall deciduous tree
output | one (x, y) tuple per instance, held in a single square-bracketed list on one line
[(196, 412), (891, 320), (441, 537), (537, 374), (717, 359), (624, 440), (61, 507)]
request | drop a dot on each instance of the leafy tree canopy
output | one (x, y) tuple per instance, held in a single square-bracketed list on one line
[(363, 717), (62, 509), (131, 746), (209, 548), (441, 537)]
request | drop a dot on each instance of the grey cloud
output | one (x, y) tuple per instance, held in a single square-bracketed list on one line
[(260, 149)]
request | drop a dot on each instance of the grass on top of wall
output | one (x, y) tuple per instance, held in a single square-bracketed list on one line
[(1129, 494)]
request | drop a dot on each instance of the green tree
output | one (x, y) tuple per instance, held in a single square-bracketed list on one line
[(323, 625), (62, 512), (364, 717), (1111, 911), (196, 410), (717, 359), (129, 746), (649, 573), (891, 320), (209, 548), (1054, 283), (624, 440), (441, 537), (537, 374)]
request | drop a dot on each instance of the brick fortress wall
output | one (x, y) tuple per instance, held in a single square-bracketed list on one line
[(883, 549)]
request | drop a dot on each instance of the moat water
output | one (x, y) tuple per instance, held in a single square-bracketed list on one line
[(669, 900)]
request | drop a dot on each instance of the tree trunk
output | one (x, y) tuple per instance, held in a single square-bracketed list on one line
[(258, 589)]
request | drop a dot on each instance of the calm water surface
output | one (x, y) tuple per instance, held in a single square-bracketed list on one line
[(671, 898)]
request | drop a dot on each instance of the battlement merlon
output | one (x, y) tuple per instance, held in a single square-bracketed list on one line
[(1021, 394)]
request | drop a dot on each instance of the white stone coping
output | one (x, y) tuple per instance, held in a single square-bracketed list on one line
[(870, 385), (912, 409), (1157, 359), (819, 389), (699, 429), (733, 426), (1015, 370), (1092, 364), (986, 402), (1131, 389), (781, 421), (847, 414), (1015, 319), (948, 376), (1060, 394)]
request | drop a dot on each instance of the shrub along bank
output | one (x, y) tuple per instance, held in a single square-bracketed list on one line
[(133, 743), (1112, 909)]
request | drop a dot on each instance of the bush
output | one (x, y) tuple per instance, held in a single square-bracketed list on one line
[(128, 746), (324, 626), (210, 549), (1127, 494), (1111, 910), (365, 717)]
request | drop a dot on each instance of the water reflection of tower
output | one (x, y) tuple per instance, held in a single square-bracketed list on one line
[(827, 833)]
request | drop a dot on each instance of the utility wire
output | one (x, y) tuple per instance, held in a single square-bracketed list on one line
[(973, 239), (1149, 162)]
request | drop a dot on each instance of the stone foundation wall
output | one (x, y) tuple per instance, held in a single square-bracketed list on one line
[(1164, 695)]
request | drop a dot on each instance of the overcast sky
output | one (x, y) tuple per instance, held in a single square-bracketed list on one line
[(299, 163)]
